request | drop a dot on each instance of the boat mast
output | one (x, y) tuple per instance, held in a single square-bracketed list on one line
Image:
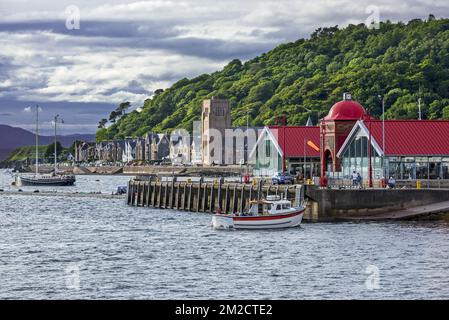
[(56, 156), (37, 139)]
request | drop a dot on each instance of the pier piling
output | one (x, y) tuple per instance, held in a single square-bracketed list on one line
[(202, 196)]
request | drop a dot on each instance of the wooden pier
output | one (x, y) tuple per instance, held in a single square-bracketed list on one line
[(205, 197)]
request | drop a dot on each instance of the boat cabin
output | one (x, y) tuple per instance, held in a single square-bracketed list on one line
[(271, 205)]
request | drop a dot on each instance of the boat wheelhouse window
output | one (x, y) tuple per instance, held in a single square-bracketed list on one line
[(286, 206), (278, 207), (265, 208)]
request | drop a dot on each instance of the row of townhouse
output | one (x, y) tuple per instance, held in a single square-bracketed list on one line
[(179, 148), (153, 147)]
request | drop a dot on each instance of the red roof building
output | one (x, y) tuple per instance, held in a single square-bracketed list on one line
[(412, 137), (291, 140), (403, 149)]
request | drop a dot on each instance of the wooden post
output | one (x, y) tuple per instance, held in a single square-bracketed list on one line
[(147, 202), (178, 195), (144, 193), (134, 194), (219, 202), (172, 194), (184, 196), (234, 202), (203, 206), (166, 195), (189, 203), (153, 198), (136, 199), (225, 209), (159, 202), (198, 193), (129, 193), (211, 200)]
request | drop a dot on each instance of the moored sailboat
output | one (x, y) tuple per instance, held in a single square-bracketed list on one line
[(37, 179)]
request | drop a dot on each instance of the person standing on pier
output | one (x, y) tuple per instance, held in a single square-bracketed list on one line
[(392, 183), (359, 180), (354, 179)]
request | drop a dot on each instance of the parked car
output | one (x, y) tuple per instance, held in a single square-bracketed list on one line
[(282, 178)]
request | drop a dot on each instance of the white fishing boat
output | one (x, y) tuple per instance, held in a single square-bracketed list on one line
[(270, 213)]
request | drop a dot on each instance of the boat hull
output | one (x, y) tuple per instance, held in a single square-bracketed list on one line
[(288, 220), (53, 181)]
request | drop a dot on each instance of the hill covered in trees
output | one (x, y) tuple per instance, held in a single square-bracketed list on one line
[(399, 61)]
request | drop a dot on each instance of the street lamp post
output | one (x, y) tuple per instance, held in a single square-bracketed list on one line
[(323, 180), (370, 178), (247, 144), (56, 157), (37, 140), (383, 136)]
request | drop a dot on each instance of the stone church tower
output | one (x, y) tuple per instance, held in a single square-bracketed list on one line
[(215, 118)]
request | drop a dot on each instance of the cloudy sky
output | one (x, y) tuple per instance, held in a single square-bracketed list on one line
[(124, 50)]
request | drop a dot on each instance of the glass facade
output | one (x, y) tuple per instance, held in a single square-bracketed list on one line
[(412, 168), (355, 158)]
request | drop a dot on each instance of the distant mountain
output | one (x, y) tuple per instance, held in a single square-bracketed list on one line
[(12, 138)]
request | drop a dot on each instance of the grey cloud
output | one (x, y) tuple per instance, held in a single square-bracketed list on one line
[(132, 87), (124, 34), (104, 29)]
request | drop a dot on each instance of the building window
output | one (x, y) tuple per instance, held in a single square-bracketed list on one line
[(445, 168), (408, 171), (267, 148), (219, 111)]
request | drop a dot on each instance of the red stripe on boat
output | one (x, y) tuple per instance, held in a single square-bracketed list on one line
[(273, 217)]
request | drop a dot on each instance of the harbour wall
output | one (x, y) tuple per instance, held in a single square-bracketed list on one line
[(332, 204)]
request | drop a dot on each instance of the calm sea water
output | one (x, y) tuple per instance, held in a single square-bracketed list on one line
[(72, 248)]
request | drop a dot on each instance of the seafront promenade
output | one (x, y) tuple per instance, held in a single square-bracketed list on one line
[(223, 171)]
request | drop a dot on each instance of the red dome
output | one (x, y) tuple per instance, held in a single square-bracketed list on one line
[(346, 110)]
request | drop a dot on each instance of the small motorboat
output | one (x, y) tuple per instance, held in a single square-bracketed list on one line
[(270, 213)]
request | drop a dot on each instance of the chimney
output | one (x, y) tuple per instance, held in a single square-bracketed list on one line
[(281, 120), (347, 96)]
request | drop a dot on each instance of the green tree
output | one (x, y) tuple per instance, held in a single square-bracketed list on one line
[(102, 123), (50, 151), (121, 109)]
